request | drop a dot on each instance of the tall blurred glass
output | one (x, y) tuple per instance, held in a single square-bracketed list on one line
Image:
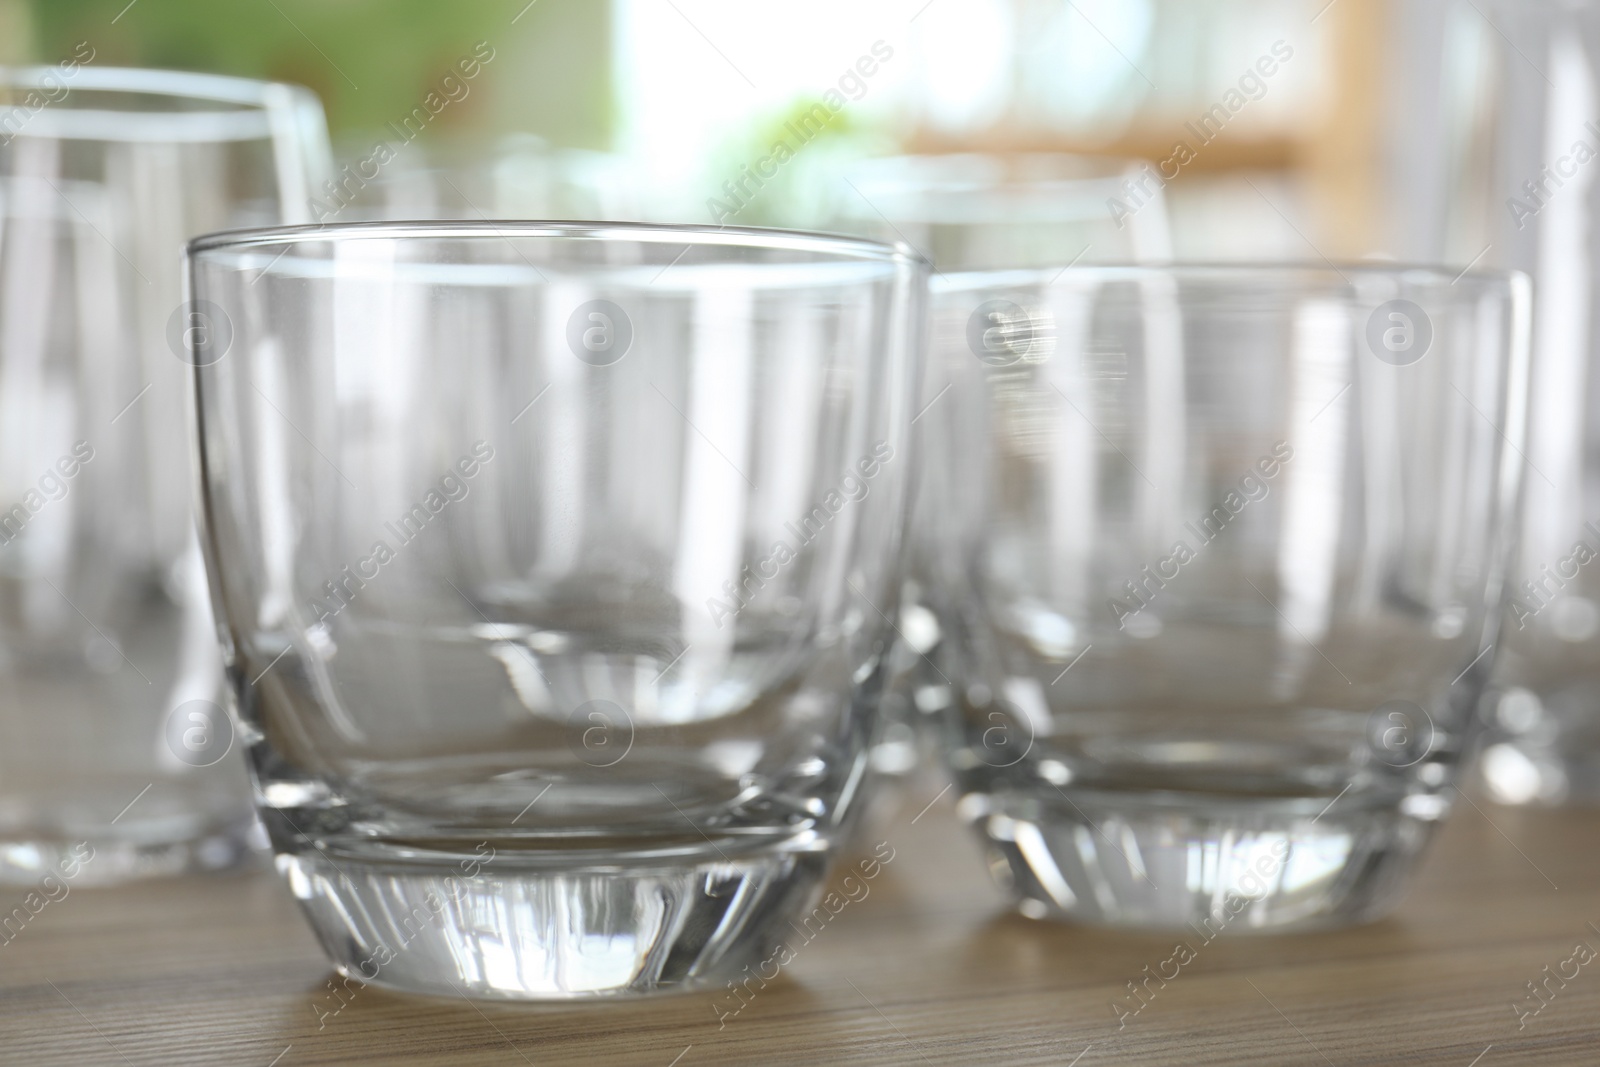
[(556, 563), (970, 212), (1515, 87), (518, 177), (1220, 557), (112, 736), (979, 212)]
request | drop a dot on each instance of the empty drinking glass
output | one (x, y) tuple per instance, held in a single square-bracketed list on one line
[(1513, 185), (971, 212), (1219, 561), (518, 177), (112, 736), (555, 563), (980, 212)]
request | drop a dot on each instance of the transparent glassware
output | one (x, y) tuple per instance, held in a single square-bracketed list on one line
[(112, 733), (1220, 557), (970, 212), (518, 177), (1514, 186), (985, 212), (555, 563)]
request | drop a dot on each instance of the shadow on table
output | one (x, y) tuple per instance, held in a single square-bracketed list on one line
[(346, 1014), (1041, 953)]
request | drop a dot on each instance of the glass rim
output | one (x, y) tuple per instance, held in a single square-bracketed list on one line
[(1343, 272), (986, 187), (57, 103), (842, 245), (928, 174), (151, 81)]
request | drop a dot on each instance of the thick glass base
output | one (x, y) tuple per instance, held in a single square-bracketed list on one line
[(116, 829), (104, 826), (1203, 862), (128, 853), (1522, 771), (525, 923), (1543, 745)]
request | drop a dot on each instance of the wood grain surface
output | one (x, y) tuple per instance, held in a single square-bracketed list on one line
[(929, 968)]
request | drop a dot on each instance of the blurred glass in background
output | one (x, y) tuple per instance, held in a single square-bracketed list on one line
[(1261, 120), (1498, 167), (113, 739)]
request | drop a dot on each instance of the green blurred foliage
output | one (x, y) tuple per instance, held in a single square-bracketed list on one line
[(371, 61)]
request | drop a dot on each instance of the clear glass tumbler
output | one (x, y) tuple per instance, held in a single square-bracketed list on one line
[(555, 564), (1220, 565), (517, 177), (112, 734), (1514, 185), (1032, 209), (972, 212)]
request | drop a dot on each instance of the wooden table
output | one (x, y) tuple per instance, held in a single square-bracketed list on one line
[(930, 968)]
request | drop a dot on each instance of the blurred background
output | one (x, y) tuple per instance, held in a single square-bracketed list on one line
[(1275, 124)]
